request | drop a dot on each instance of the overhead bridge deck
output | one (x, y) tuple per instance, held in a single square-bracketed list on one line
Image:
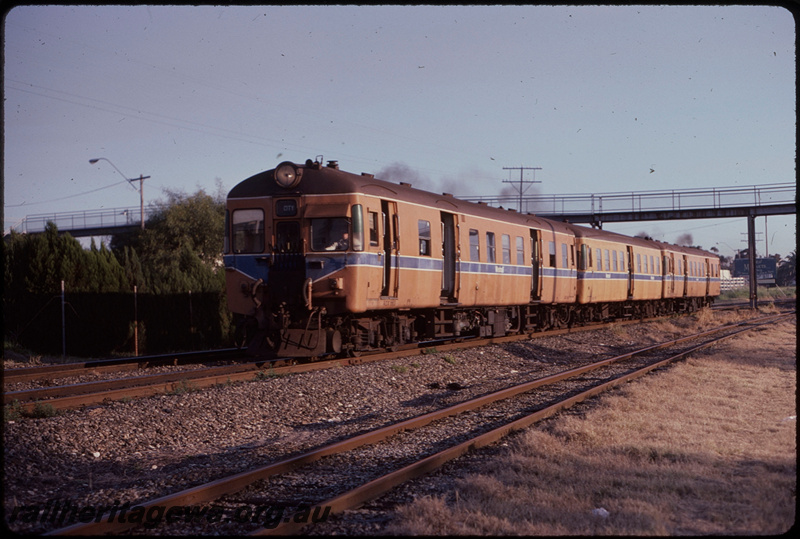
[(709, 203)]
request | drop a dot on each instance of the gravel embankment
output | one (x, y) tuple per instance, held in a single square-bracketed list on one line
[(138, 450)]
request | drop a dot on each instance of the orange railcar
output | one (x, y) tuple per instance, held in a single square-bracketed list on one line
[(323, 261)]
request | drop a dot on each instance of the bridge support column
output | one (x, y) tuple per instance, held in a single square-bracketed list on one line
[(751, 255)]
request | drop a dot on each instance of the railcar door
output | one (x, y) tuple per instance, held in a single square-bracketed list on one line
[(448, 294), (685, 275), (536, 264), (389, 210), (669, 263), (631, 274)]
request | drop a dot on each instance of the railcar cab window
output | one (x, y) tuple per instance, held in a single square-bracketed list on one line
[(424, 228), (552, 253), (358, 228), (247, 227), (330, 234)]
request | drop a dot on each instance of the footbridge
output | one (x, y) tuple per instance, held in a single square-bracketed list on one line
[(104, 222), (709, 203)]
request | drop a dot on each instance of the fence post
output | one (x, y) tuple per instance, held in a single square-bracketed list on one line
[(135, 323), (63, 325)]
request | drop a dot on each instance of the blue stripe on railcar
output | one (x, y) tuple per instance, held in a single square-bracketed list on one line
[(318, 266)]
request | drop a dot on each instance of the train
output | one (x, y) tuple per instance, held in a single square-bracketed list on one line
[(321, 262)]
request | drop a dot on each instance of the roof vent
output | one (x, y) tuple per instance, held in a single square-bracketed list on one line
[(406, 184), (333, 164)]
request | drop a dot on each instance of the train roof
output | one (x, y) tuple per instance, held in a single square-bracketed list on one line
[(320, 180), (315, 179), (586, 232)]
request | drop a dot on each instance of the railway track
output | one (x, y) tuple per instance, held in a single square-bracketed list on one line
[(322, 482), (73, 395), (53, 372)]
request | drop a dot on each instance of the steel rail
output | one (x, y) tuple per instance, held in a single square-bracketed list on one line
[(232, 484), (49, 372), (381, 485), (72, 396), (90, 393)]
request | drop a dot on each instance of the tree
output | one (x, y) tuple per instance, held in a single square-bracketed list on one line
[(181, 246), (787, 271)]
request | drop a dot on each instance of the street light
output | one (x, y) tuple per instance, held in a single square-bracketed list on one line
[(141, 183)]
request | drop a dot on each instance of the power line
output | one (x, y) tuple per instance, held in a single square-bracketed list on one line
[(522, 182), (63, 198)]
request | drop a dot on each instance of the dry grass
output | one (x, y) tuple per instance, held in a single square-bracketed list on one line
[(708, 447)]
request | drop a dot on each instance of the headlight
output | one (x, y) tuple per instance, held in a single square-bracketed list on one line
[(287, 175)]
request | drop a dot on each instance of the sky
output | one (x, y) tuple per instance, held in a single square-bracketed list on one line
[(598, 98)]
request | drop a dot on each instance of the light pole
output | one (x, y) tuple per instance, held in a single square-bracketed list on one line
[(141, 183)]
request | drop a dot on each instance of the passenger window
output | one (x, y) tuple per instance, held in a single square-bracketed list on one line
[(424, 228), (490, 247), (564, 256), (607, 258), (506, 245), (645, 264), (474, 246), (638, 263), (520, 251), (552, 246), (599, 257), (248, 231), (373, 228)]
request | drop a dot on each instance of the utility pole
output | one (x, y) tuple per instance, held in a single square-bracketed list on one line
[(522, 182), (141, 197), (130, 180)]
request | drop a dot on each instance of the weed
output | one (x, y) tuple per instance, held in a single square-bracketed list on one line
[(185, 386), (450, 359), (400, 368), (12, 412), (269, 373), (43, 409)]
